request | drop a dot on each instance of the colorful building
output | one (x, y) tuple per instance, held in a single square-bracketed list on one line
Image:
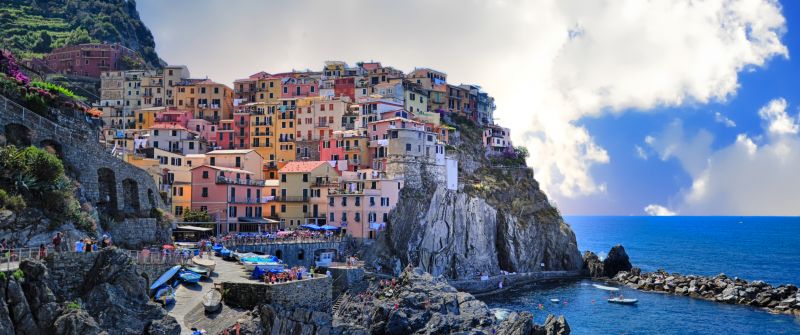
[(361, 203), (90, 59), (303, 192)]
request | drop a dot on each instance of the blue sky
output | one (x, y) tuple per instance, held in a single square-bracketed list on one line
[(627, 107)]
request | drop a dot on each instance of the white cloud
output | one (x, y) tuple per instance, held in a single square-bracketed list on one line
[(549, 64), (658, 210), (640, 152), (720, 118), (778, 121), (742, 178)]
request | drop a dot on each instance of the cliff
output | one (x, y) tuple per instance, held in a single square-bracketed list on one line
[(112, 300), (497, 220)]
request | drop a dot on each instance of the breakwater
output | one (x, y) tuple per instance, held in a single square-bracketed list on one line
[(783, 299)]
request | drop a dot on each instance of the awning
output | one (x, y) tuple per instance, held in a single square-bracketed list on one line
[(194, 228), (246, 219), (328, 227), (310, 226)]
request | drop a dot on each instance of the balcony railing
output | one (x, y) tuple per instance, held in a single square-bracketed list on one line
[(239, 181), (262, 200), (292, 199)]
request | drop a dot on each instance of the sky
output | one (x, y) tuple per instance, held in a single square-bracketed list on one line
[(628, 107)]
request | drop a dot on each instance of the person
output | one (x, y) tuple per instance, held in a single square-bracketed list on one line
[(500, 285), (42, 251), (104, 242), (57, 242)]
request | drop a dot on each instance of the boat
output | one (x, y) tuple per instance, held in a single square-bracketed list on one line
[(225, 253), (606, 288), (206, 263), (325, 259), (189, 277), (265, 262), (555, 301), (217, 248), (239, 255), (201, 270), (165, 278), (622, 301), (212, 301), (165, 295)]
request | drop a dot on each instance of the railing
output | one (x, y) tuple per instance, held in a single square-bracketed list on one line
[(291, 199), (232, 241), (238, 181), (262, 200), (10, 258), (28, 117)]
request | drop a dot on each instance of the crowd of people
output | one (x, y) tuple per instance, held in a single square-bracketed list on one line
[(278, 237)]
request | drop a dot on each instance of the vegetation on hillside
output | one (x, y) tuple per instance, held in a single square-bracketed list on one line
[(33, 177), (31, 28)]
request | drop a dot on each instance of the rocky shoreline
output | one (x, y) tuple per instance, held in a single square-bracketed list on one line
[(616, 268), (783, 299)]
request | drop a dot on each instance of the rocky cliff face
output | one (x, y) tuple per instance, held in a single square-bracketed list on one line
[(113, 301), (497, 220)]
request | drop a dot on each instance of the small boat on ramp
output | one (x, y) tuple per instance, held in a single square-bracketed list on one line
[(212, 301)]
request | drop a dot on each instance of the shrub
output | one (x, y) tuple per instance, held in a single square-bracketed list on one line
[(73, 305), (192, 215), (11, 202), (57, 89), (18, 275), (3, 277)]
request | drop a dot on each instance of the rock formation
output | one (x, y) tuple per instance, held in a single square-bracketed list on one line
[(497, 220), (113, 300), (616, 261), (417, 303)]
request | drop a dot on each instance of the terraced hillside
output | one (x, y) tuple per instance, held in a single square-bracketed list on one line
[(31, 28)]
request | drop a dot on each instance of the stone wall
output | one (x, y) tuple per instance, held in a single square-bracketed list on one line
[(137, 233), (293, 254), (76, 140), (347, 279), (314, 293), (68, 272), (511, 280)]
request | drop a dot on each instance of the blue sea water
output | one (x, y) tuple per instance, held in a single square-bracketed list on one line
[(766, 248)]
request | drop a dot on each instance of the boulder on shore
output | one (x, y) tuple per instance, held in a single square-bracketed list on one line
[(592, 265)]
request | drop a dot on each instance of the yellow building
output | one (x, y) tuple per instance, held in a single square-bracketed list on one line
[(207, 99), (146, 117), (268, 90), (262, 130), (285, 132), (301, 197), (181, 198)]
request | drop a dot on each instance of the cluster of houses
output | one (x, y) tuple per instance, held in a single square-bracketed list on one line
[(283, 150)]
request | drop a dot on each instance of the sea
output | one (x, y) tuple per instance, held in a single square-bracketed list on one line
[(751, 248)]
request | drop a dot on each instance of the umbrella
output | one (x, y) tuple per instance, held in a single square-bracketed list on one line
[(329, 227), (310, 226), (168, 246)]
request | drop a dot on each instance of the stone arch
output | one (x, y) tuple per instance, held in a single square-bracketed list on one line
[(52, 146), (19, 135), (279, 254), (130, 196), (106, 191), (301, 254)]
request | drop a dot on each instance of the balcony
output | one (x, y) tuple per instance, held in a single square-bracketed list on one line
[(325, 183), (262, 200), (292, 199), (238, 181), (322, 125)]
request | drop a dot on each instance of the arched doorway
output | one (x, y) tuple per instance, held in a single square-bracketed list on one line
[(18, 135), (130, 196), (106, 191), (279, 254), (53, 147)]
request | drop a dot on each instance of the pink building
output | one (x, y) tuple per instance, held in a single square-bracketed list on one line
[(301, 87), (174, 116), (207, 131), (497, 140), (345, 87), (89, 59), (225, 134), (362, 202), (330, 150), (231, 196)]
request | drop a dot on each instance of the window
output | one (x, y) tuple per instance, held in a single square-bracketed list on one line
[(305, 208), (332, 217), (344, 201), (238, 162), (358, 201), (305, 177), (191, 145), (205, 174), (232, 212), (205, 192), (283, 208), (372, 201), (408, 146), (330, 201), (358, 217), (214, 159), (283, 178), (178, 210), (344, 217)]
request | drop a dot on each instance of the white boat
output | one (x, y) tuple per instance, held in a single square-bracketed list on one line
[(555, 301), (606, 288), (239, 255), (325, 258), (622, 301), (265, 262), (206, 263), (212, 301)]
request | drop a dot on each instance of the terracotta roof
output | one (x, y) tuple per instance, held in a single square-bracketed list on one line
[(229, 152), (306, 166), (168, 126)]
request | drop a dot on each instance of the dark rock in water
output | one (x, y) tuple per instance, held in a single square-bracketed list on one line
[(592, 265), (556, 326), (76, 322), (616, 261)]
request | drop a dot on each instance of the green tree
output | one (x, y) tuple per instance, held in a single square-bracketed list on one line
[(78, 36), (196, 216), (43, 44)]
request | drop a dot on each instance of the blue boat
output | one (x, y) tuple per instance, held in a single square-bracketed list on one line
[(225, 253), (165, 295), (165, 278), (217, 248), (189, 276)]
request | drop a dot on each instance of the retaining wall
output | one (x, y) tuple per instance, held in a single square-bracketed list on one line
[(313, 293), (294, 253)]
